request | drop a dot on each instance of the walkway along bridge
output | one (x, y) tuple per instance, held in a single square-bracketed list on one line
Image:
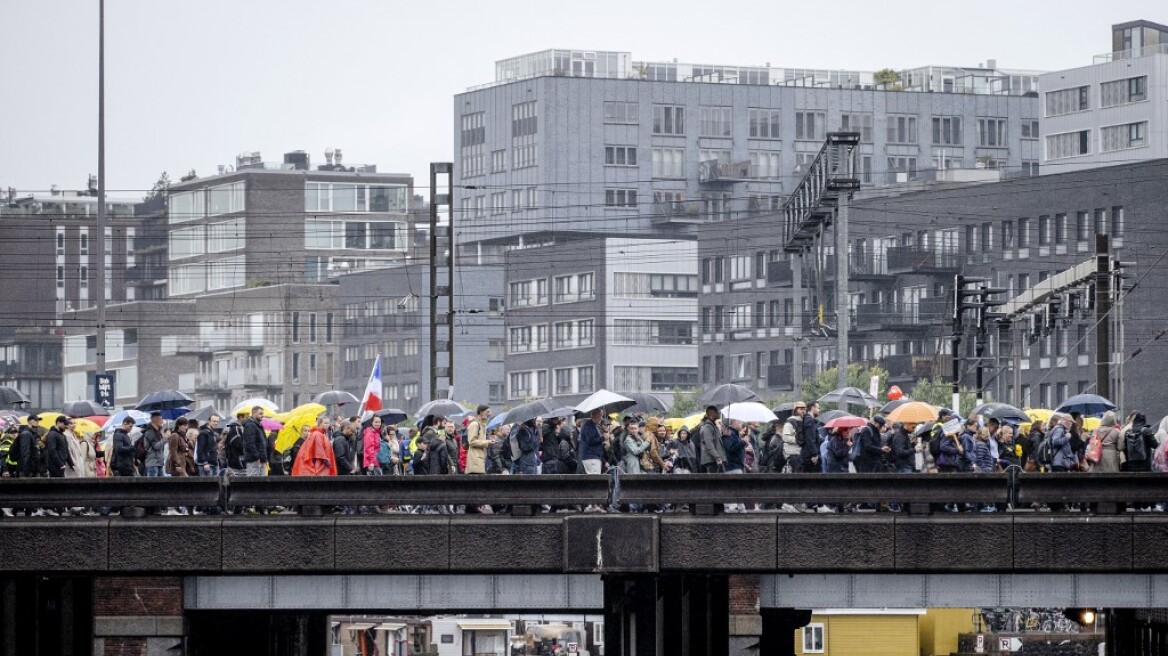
[(649, 573)]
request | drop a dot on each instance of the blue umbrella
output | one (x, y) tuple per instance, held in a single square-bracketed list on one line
[(497, 421), (1086, 404)]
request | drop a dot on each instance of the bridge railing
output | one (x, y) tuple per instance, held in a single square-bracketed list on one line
[(1105, 493)]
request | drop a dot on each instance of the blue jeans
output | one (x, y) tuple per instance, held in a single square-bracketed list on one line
[(526, 470), (153, 471)]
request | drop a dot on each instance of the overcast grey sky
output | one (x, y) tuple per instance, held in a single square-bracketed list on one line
[(191, 84)]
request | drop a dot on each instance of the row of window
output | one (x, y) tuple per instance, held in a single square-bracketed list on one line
[(349, 197), (1054, 229), (207, 276), (222, 237), (747, 316), (336, 234), (568, 288), (1111, 94), (534, 383), (579, 333), (521, 199), (312, 325), (210, 201), (1111, 138)]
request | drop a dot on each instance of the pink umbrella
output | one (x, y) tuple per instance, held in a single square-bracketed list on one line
[(846, 422), (271, 424)]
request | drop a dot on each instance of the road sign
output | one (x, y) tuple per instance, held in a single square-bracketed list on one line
[(1009, 644), (979, 647), (103, 390)]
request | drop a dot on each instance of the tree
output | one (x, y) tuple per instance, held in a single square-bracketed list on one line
[(191, 175), (160, 187), (858, 376), (937, 391), (887, 76), (685, 402)]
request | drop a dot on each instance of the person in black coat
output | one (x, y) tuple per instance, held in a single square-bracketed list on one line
[(26, 449), (122, 459), (810, 441), (902, 457), (57, 457), (870, 454), (343, 451), (255, 443), (207, 448)]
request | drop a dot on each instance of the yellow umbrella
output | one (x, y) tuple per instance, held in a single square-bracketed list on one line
[(674, 423), (1039, 414), (313, 409), (84, 426), (1091, 423), (913, 412), (691, 422), (47, 419), (270, 409), (291, 430)]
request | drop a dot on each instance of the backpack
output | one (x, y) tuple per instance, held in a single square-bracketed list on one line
[(770, 450), (857, 446), (1136, 446), (797, 425), (141, 449), (1044, 454), (935, 442), (289, 457)]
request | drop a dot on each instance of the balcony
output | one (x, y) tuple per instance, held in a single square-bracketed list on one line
[(678, 212), (867, 267), (914, 259), (894, 316), (220, 382), (781, 377), (718, 172), (780, 274), (207, 344)]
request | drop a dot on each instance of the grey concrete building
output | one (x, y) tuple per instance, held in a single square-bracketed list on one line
[(1113, 111), (567, 143), (387, 312), (265, 224), (613, 313), (760, 308), (49, 253)]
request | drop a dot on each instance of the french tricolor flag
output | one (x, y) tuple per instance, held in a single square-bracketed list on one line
[(372, 398)]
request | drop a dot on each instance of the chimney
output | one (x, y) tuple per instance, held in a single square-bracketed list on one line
[(991, 63), (221, 168), (337, 156), (328, 155)]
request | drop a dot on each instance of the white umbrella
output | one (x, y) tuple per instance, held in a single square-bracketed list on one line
[(609, 401), (749, 411)]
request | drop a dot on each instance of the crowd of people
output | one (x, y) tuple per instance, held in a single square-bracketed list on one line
[(596, 444)]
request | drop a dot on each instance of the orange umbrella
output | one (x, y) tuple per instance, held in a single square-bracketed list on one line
[(913, 412)]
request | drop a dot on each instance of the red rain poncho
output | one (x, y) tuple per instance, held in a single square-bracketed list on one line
[(315, 457)]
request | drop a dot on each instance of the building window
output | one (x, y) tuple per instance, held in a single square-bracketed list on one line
[(813, 639), (225, 199), (902, 129), (668, 162), (498, 161), (472, 142), (620, 155), (516, 200), (991, 132), (563, 381), (668, 119), (227, 236), (1029, 128), (187, 242), (716, 121), (311, 327), (764, 123), (519, 384), (947, 130), (1008, 234), (1121, 137), (186, 206), (498, 202), (356, 235), (1044, 230), (585, 379), (295, 367), (524, 126), (620, 197), (1024, 230), (1122, 92), (1067, 101), (861, 123), (480, 206), (764, 164), (620, 112), (347, 197), (810, 125), (295, 327), (1082, 226), (1029, 169), (1068, 144), (1060, 228), (1117, 222)]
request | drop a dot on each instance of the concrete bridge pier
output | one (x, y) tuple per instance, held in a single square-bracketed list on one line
[(647, 615)]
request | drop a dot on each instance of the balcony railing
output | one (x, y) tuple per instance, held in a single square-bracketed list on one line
[(780, 274), (204, 344), (1134, 53), (894, 316), (903, 259), (678, 212)]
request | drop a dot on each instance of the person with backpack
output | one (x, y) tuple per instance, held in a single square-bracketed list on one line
[(57, 456), (711, 452), (902, 455), (1138, 444), (207, 449), (1063, 458), (867, 447), (23, 465), (809, 445), (233, 450), (255, 444), (792, 454), (1108, 438)]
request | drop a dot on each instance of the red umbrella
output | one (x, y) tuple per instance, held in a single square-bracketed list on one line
[(846, 422)]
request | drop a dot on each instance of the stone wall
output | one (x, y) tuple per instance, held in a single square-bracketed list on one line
[(138, 616)]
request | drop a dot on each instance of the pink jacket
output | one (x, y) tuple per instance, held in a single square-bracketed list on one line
[(371, 442)]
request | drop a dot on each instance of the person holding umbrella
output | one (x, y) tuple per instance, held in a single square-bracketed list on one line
[(592, 442), (871, 450)]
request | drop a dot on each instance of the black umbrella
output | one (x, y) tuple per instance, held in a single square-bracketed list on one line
[(85, 409), (565, 412), (784, 410), (892, 405), (203, 414), (335, 397), (1002, 412), (528, 411), (13, 396), (164, 400), (388, 416), (850, 396), (441, 408), (646, 403), (1086, 404), (825, 417), (724, 395)]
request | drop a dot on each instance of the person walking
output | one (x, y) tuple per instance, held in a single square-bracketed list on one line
[(712, 455), (207, 448), (592, 443), (634, 446), (122, 458), (793, 438), (870, 451), (477, 441), (685, 459), (370, 445), (255, 444), (811, 443), (902, 453), (1111, 459)]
